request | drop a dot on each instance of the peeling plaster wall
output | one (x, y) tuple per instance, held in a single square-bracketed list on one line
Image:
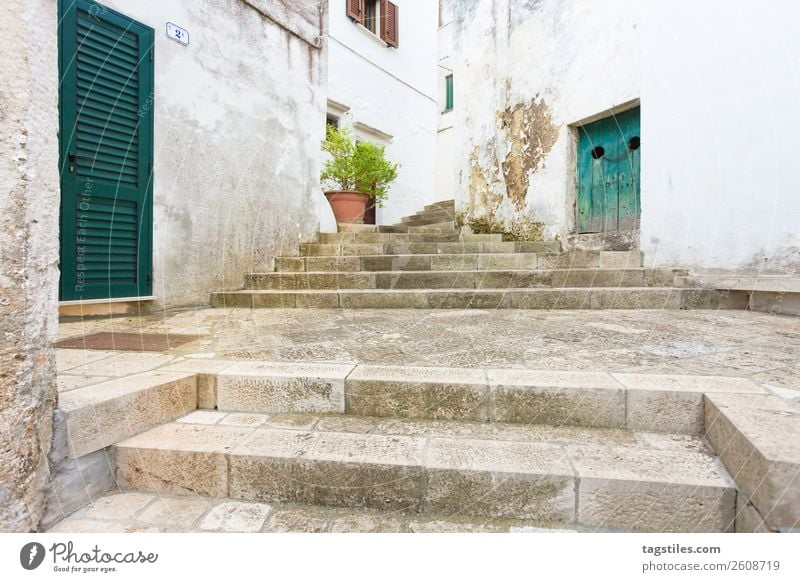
[(393, 91), (525, 72), (237, 118), (721, 122), (29, 202)]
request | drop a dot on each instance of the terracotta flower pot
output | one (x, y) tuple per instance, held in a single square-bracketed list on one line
[(348, 206)]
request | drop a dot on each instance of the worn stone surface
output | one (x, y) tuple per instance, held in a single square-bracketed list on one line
[(280, 387), (757, 437), (178, 458), (236, 516), (557, 398), (28, 256), (100, 415), (328, 476), (171, 513), (413, 392), (714, 343)]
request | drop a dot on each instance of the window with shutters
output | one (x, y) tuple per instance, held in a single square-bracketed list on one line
[(448, 96), (380, 17)]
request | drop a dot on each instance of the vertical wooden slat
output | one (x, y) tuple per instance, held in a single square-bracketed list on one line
[(390, 19), (354, 9)]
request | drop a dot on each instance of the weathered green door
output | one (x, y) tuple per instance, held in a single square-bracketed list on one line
[(106, 146), (608, 173)]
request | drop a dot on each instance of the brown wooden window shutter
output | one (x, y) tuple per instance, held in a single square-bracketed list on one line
[(390, 23), (354, 10)]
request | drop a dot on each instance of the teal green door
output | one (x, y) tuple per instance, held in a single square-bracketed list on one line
[(106, 152), (608, 173)]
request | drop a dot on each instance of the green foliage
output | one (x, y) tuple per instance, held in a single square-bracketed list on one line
[(360, 166)]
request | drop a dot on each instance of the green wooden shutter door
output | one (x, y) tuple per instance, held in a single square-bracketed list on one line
[(106, 102)]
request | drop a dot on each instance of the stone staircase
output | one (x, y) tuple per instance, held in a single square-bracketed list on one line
[(427, 262), (450, 449)]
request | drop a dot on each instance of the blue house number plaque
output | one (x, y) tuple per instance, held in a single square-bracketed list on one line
[(177, 33)]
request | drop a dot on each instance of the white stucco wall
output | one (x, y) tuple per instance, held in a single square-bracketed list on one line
[(721, 124), (237, 117), (548, 64), (445, 139), (393, 91)]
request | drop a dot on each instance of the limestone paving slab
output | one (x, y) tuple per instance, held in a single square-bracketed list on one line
[(102, 414), (438, 472), (417, 392), (592, 399), (757, 437), (672, 402), (282, 387)]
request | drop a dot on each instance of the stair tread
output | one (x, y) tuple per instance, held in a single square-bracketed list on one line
[(449, 445), (456, 272), (203, 516), (456, 289)]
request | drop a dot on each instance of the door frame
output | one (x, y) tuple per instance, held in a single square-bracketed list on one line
[(146, 139)]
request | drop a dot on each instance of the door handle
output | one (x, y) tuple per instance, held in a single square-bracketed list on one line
[(73, 157)]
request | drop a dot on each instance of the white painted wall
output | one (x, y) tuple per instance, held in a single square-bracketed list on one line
[(573, 58), (237, 118), (445, 144), (393, 91), (721, 125)]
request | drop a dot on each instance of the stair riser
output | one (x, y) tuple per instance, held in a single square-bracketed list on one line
[(351, 238), (579, 399), (316, 250), (569, 298), (458, 279), (436, 476), (461, 262)]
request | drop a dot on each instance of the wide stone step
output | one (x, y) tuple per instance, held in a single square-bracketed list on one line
[(414, 237), (588, 399), (427, 248), (533, 298), (102, 414), (472, 279), (138, 511), (463, 262), (591, 477), (443, 228)]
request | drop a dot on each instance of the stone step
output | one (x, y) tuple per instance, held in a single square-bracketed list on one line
[(432, 217), (446, 226), (587, 399), (102, 414), (138, 511), (591, 477), (432, 248), (415, 237), (535, 298), (491, 279), (462, 262), (442, 204)]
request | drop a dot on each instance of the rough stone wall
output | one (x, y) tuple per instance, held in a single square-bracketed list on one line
[(526, 72), (29, 203), (239, 115)]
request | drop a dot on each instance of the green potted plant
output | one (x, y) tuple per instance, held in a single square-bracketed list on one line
[(356, 175)]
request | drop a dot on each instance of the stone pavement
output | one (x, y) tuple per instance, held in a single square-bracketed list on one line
[(162, 513), (759, 346)]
